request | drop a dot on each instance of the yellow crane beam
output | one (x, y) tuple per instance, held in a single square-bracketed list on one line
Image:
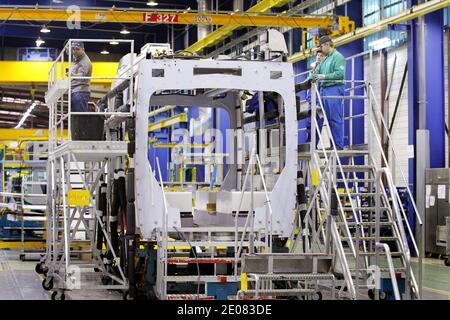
[(17, 72), (404, 16), (25, 134), (247, 19)]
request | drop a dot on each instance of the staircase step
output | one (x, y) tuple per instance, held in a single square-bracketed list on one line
[(356, 180), (366, 254), (366, 223), (350, 168), (360, 194), (349, 209), (402, 269), (372, 238), (365, 208)]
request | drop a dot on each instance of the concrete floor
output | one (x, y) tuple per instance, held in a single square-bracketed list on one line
[(19, 281), (436, 279)]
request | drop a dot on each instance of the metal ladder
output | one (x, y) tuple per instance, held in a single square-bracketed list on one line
[(350, 211)]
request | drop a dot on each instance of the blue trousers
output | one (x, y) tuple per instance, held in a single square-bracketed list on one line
[(334, 110), (80, 101)]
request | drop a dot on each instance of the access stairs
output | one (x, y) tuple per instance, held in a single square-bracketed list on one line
[(353, 206)]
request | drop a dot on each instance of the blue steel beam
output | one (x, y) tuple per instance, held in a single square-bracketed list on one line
[(435, 114)]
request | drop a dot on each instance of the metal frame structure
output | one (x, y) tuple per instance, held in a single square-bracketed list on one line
[(339, 228), (26, 205), (72, 226), (158, 215)]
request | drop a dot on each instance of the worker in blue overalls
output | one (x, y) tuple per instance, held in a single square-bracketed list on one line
[(331, 74), (319, 58)]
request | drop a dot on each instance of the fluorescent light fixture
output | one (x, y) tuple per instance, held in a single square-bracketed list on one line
[(45, 29), (114, 42), (124, 31), (104, 51), (39, 42), (380, 43), (152, 3), (25, 115)]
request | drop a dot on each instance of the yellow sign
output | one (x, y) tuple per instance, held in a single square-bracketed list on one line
[(80, 198), (244, 282), (315, 178)]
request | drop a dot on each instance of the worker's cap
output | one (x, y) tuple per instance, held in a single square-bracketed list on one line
[(77, 44), (323, 40)]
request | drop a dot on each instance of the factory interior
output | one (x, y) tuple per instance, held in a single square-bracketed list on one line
[(242, 151)]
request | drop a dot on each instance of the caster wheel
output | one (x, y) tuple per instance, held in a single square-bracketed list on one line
[(39, 268), (55, 296), (428, 255), (22, 257), (317, 296), (447, 262), (126, 296), (47, 284), (371, 294)]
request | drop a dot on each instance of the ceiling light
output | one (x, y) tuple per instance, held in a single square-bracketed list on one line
[(45, 29), (39, 41), (104, 51), (124, 31), (25, 115), (152, 3), (114, 42)]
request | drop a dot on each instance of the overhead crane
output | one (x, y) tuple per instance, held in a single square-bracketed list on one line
[(254, 17), (245, 19)]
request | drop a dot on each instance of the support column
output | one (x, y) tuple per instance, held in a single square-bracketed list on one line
[(426, 102)]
